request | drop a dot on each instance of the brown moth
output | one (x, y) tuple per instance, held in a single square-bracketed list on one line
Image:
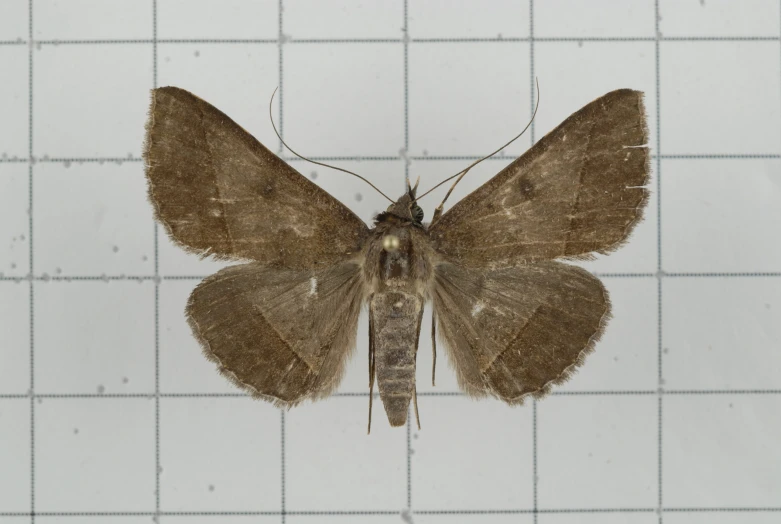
[(515, 320)]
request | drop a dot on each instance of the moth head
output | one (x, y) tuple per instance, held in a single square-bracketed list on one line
[(405, 208)]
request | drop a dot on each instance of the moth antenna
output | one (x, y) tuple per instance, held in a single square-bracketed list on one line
[(271, 117), (461, 174)]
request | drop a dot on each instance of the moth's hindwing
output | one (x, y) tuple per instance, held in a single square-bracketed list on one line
[(516, 331), (284, 335)]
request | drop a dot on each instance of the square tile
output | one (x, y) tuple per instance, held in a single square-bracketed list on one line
[(95, 454), (344, 99), (15, 334), (309, 19), (719, 18), (14, 102), (599, 518), (94, 337), (238, 79), (717, 215), (471, 518), (14, 24), (92, 219), (626, 358), (218, 19), (327, 440), (464, 19), (721, 517), (739, 117), (433, 170), (449, 473), (219, 454), (90, 100), (597, 452), (15, 226), (462, 103), (572, 75), (183, 367), (387, 175), (92, 19), (721, 451), (15, 455), (722, 333), (601, 19)]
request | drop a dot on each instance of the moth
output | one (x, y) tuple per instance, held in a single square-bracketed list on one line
[(514, 317)]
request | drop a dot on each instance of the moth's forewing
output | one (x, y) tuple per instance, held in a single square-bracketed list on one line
[(579, 190), (218, 191), (281, 327), (513, 322), (516, 331), (284, 335)]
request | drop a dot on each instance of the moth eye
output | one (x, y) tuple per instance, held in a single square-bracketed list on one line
[(417, 214), (390, 243)]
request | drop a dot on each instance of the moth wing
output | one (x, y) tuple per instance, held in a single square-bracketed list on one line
[(579, 190), (514, 332), (283, 335), (218, 191)]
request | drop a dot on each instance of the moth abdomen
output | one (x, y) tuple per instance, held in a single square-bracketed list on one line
[(396, 324)]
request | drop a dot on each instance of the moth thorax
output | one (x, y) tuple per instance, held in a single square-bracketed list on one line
[(390, 243)]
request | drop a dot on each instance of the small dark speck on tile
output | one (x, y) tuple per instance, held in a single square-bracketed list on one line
[(125, 380), (58, 270), (13, 266), (313, 175), (767, 306), (101, 389), (168, 59), (211, 487), (115, 249), (358, 197), (21, 237), (730, 405), (40, 400), (144, 258), (615, 359), (197, 53), (75, 431), (666, 350), (414, 435)]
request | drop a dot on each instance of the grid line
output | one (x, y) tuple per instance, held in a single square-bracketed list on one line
[(281, 40), (31, 230), (659, 267), (532, 129), (454, 40), (380, 158), (370, 513), (157, 281)]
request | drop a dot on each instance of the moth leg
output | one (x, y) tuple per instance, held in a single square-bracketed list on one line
[(371, 371), (415, 403), (434, 347)]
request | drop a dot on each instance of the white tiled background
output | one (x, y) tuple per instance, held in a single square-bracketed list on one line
[(108, 411)]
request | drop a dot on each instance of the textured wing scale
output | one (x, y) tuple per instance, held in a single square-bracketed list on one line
[(580, 189), (515, 332), (283, 335), (219, 192)]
